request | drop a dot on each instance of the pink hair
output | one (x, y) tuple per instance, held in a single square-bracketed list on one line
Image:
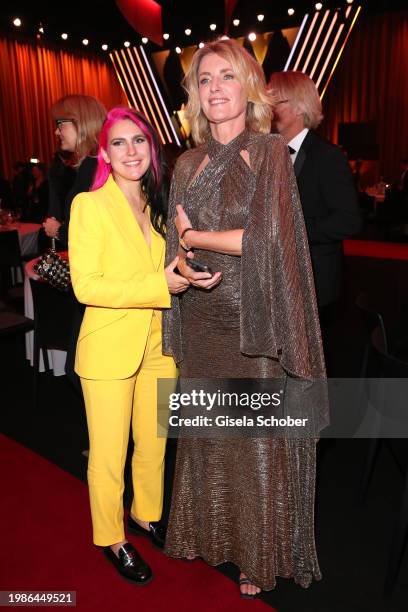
[(119, 113)]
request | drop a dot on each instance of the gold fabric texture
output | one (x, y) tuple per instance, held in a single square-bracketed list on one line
[(247, 500)]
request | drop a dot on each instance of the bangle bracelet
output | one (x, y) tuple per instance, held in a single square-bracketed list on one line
[(182, 241), (184, 232)]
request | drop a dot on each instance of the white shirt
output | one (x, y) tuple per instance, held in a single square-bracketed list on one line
[(296, 143)]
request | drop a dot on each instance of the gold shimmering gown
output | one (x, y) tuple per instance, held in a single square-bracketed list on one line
[(246, 500)]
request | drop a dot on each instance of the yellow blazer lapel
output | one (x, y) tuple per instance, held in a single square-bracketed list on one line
[(157, 247), (120, 210)]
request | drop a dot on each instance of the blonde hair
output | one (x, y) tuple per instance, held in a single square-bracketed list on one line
[(300, 90), (249, 74), (88, 115)]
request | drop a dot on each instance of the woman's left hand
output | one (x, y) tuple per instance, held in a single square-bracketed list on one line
[(182, 222), (201, 280)]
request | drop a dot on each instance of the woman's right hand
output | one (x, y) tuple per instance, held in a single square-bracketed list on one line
[(175, 282), (51, 227)]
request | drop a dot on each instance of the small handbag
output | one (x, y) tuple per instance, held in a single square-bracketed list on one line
[(54, 269)]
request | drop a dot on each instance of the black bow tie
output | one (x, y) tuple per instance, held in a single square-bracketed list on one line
[(291, 150)]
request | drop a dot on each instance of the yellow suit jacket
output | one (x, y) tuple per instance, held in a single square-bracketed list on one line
[(118, 277)]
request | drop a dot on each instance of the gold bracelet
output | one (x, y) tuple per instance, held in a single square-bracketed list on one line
[(182, 242)]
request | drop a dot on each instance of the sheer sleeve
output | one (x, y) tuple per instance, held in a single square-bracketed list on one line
[(279, 315)]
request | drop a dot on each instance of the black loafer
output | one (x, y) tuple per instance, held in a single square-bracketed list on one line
[(129, 564), (156, 532)]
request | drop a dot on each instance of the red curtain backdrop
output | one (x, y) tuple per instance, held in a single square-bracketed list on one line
[(32, 77), (371, 84)]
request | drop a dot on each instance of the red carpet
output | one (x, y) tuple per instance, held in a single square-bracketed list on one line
[(46, 545)]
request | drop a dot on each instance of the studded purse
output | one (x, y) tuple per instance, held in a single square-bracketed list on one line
[(54, 269)]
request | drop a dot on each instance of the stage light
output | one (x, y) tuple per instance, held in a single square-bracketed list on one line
[(201, 45), (41, 30), (166, 36), (85, 42), (323, 46), (349, 1), (104, 47), (145, 40), (224, 37), (126, 44), (64, 36), (17, 22), (318, 6), (187, 32), (328, 57), (295, 44), (34, 160), (309, 31), (178, 50), (252, 36), (341, 50), (291, 11), (260, 17), (144, 84), (213, 26), (236, 22), (315, 42), (142, 52)]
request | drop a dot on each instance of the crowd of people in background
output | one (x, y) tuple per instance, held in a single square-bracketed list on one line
[(30, 194), (26, 195)]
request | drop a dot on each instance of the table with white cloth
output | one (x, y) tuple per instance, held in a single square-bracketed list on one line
[(27, 234), (56, 358)]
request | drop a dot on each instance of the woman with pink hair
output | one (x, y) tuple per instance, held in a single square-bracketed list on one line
[(116, 250)]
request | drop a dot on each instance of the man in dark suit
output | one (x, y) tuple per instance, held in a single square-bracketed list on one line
[(327, 191)]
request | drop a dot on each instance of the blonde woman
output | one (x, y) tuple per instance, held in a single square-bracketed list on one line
[(78, 122), (246, 500)]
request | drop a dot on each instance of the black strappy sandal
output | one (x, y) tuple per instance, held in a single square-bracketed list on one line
[(247, 595)]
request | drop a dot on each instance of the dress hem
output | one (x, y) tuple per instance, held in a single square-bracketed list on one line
[(299, 580)]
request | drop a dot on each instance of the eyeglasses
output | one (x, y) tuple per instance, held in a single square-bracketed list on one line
[(60, 122)]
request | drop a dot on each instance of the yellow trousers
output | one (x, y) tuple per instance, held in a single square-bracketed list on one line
[(111, 406)]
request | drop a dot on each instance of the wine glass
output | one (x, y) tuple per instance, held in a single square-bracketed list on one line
[(17, 215)]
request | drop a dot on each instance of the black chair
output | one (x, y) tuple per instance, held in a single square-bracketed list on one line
[(389, 399), (371, 318), (10, 259), (13, 323), (53, 312)]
